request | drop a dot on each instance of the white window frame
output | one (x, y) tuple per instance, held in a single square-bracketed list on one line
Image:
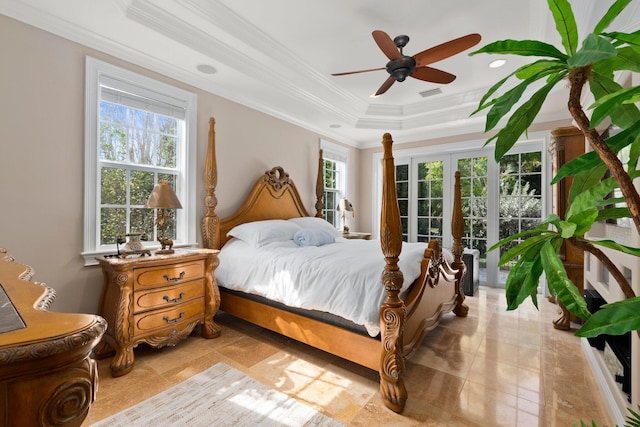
[(340, 155), (98, 72)]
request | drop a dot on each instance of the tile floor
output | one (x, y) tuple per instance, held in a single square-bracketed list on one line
[(493, 368)]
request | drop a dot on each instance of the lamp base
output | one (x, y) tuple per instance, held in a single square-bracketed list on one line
[(164, 251), (166, 245)]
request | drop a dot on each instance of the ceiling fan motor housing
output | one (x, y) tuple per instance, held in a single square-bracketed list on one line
[(401, 68)]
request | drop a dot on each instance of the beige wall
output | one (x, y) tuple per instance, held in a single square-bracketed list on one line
[(42, 157)]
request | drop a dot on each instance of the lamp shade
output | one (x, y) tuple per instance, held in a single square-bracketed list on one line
[(345, 205), (163, 197)]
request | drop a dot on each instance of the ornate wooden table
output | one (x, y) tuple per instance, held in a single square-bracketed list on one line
[(47, 376)]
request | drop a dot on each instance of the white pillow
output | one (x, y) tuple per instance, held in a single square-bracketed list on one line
[(314, 222), (260, 233)]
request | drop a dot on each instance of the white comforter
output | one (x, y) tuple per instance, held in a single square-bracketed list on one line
[(343, 278)]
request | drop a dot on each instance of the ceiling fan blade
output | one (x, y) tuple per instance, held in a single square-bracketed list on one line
[(446, 49), (433, 75), (355, 72), (386, 45), (386, 85)]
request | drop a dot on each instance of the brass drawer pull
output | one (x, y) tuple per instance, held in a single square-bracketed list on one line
[(174, 279), (166, 298), (177, 319)]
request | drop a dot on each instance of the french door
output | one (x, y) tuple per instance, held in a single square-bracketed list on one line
[(498, 200)]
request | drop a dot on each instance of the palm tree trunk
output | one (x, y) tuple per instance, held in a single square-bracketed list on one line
[(578, 78)]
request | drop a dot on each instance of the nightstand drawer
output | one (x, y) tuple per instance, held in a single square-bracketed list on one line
[(167, 297), (177, 315), (152, 277)]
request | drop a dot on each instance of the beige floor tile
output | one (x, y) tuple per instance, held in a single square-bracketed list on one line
[(493, 368), (479, 407)]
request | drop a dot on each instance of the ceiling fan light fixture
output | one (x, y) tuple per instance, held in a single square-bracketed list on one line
[(497, 63)]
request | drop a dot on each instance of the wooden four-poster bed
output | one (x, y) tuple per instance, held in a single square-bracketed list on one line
[(405, 314)]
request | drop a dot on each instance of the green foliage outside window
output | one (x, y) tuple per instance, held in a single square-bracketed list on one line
[(331, 193), (137, 150)]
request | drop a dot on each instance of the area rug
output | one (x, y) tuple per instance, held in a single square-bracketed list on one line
[(219, 396)]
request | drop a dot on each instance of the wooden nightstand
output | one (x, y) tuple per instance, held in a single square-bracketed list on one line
[(157, 300), (356, 235)]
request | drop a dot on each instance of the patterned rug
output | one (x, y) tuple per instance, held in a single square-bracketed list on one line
[(219, 396)]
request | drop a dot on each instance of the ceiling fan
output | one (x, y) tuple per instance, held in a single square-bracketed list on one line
[(400, 65)]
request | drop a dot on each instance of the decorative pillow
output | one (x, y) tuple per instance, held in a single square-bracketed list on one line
[(313, 237), (260, 233), (314, 222)]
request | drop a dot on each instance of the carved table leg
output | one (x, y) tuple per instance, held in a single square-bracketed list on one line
[(564, 321), (210, 329), (122, 362), (103, 350)]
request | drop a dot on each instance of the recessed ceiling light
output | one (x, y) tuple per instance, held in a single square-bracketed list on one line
[(335, 126), (206, 69), (497, 63)]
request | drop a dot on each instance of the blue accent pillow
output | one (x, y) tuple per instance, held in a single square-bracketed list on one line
[(312, 237)]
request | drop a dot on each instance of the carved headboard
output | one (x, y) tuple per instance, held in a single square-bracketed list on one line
[(273, 196)]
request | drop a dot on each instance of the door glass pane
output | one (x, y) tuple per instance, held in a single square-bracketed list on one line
[(520, 198), (402, 187), (430, 185), (473, 180)]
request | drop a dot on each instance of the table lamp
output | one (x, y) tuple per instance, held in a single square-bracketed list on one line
[(345, 206), (163, 197)]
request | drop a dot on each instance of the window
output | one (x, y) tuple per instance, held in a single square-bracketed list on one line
[(429, 201), (521, 198), (138, 131), (402, 188), (335, 180), (474, 181)]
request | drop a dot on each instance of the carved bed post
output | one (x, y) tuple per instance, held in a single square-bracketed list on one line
[(320, 187), (392, 311), (211, 221), (457, 230)]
